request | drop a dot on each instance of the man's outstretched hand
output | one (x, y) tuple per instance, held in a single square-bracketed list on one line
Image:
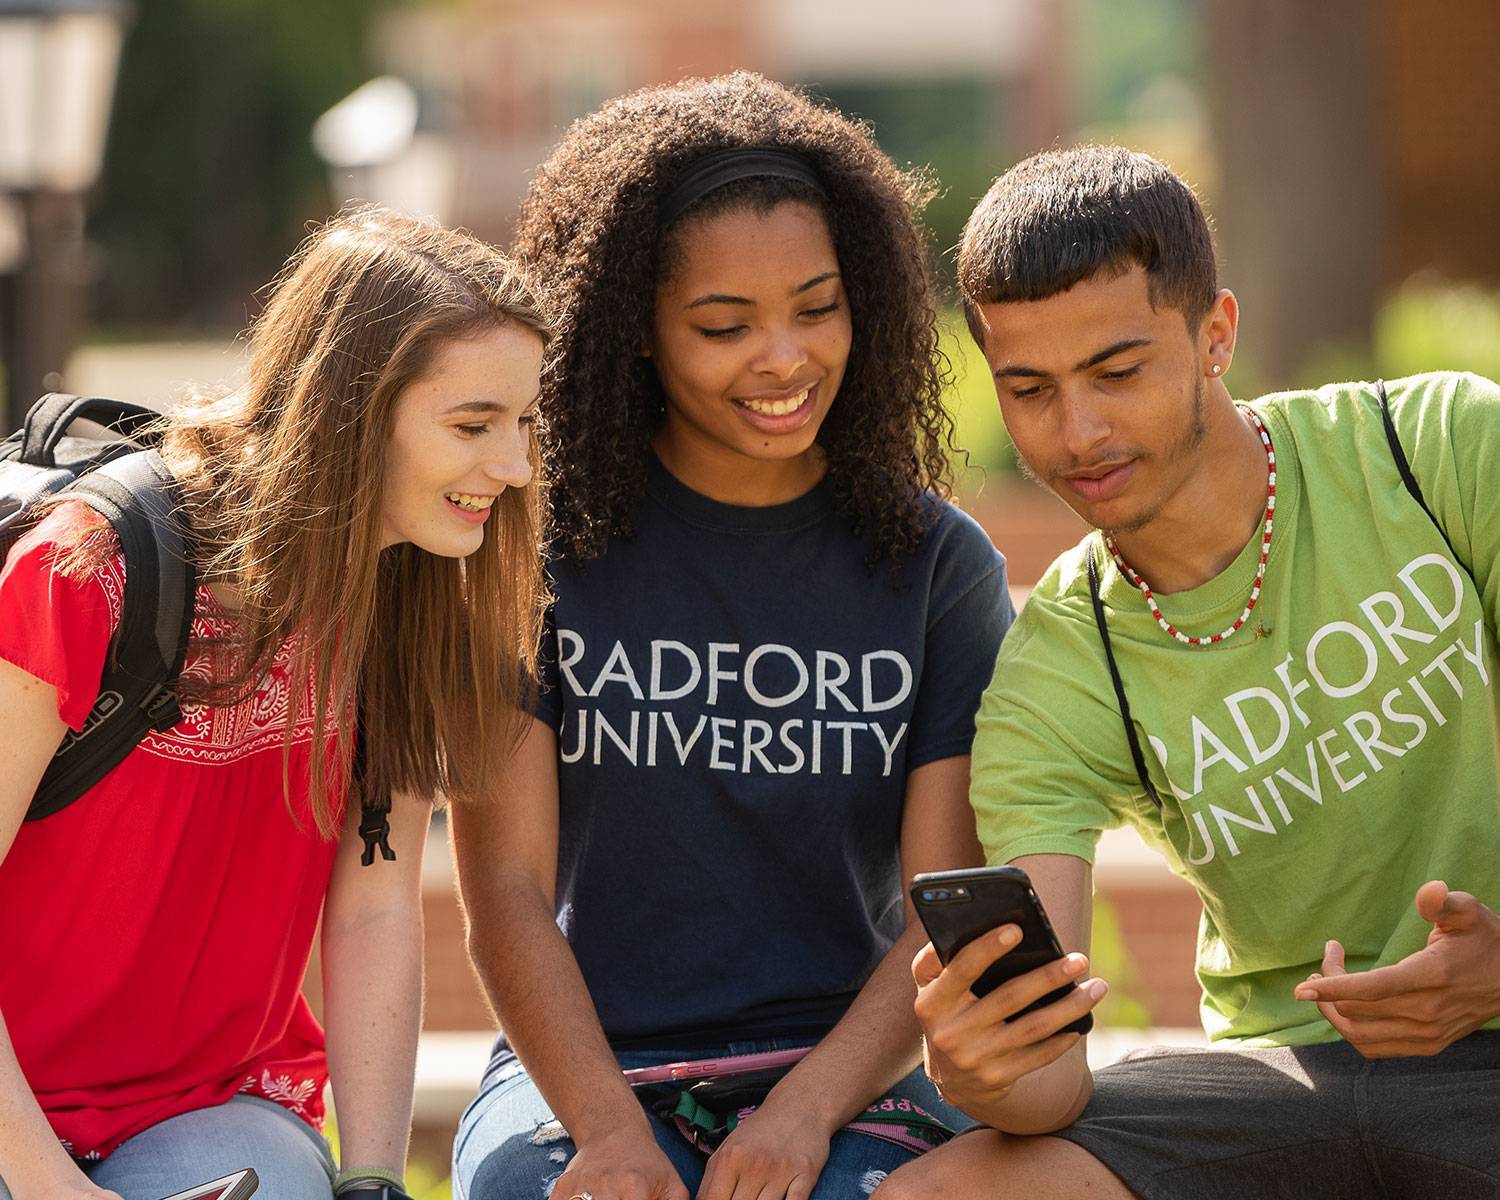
[(1428, 1000)]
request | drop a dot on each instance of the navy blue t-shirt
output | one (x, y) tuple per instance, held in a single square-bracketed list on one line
[(738, 700)]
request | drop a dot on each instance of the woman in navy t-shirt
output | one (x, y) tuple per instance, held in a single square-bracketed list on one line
[(769, 641)]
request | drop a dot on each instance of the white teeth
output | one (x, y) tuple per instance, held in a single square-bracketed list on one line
[(777, 408), (470, 503)]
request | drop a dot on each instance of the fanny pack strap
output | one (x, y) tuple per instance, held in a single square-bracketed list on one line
[(706, 1100)]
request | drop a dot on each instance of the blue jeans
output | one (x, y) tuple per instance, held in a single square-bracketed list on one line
[(291, 1159), (510, 1146)]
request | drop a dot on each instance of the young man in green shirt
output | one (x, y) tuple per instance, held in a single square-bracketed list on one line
[(1307, 658)]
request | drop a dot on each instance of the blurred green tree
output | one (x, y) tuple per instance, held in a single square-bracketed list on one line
[(1124, 49), (210, 177), (952, 127)]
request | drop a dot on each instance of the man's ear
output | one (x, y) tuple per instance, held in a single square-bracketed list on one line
[(1216, 337)]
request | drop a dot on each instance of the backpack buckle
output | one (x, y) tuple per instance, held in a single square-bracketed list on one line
[(161, 707), (375, 829)]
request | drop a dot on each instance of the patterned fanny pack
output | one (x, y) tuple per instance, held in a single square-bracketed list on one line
[(707, 1099)]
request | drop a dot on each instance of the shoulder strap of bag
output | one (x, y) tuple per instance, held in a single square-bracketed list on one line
[(50, 417), (1404, 466), (139, 498), (1137, 756), (137, 495)]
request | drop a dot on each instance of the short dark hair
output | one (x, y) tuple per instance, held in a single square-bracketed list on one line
[(1063, 216)]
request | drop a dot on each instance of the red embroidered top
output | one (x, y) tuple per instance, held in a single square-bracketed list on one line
[(154, 934)]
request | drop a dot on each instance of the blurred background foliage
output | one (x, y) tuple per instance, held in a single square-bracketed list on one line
[(1129, 53), (210, 178), (1427, 324)]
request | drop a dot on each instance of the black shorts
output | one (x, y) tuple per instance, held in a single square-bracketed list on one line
[(1303, 1121)]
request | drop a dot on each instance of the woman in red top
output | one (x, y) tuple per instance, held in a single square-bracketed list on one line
[(363, 526)]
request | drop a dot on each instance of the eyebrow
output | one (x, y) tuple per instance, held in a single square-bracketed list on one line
[(720, 298), (490, 406), (1093, 360)]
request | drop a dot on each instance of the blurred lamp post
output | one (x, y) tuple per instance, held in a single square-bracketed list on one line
[(58, 61), (377, 150)]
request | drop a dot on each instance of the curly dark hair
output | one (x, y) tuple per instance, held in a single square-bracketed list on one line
[(589, 237)]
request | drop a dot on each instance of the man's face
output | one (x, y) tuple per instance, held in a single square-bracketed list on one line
[(1102, 394)]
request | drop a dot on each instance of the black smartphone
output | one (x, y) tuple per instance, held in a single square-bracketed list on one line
[(958, 906)]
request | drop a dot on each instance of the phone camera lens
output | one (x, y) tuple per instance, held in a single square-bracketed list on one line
[(929, 895), (943, 895)]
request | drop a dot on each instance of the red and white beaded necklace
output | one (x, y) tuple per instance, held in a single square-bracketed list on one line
[(1260, 569)]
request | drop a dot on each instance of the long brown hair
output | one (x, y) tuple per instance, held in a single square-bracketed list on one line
[(283, 480)]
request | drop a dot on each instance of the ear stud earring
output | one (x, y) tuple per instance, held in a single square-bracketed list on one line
[(1216, 368)]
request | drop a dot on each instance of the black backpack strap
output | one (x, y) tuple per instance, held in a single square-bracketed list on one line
[(49, 418), (139, 498), (1136, 754), (1404, 466)]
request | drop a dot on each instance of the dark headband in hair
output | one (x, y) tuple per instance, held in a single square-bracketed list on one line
[(713, 171)]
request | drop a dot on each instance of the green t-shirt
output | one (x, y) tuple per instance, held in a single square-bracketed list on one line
[(1319, 766)]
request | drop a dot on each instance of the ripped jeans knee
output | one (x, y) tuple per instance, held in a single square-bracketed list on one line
[(553, 1138), (509, 1146)]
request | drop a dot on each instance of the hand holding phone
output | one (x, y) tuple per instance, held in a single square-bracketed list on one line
[(997, 998), (958, 907)]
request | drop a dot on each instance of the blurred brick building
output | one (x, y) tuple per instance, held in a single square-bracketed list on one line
[(504, 78)]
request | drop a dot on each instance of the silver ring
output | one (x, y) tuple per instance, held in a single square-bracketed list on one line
[(582, 1196)]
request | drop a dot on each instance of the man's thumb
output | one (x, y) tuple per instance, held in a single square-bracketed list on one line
[(926, 966), (1438, 906)]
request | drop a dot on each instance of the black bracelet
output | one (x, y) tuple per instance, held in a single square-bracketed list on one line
[(374, 1191)]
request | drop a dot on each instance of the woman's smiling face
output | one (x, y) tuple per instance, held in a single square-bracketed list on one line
[(461, 436), (750, 339)]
